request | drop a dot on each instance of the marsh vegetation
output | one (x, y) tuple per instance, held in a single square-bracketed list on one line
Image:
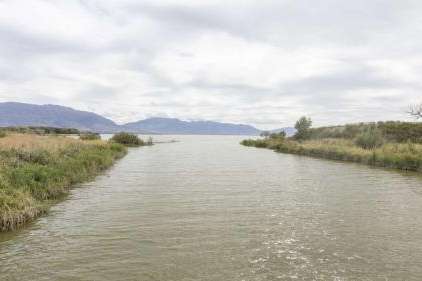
[(127, 139), (36, 170), (385, 144), (130, 140)]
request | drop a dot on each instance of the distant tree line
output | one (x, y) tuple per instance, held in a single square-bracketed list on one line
[(41, 130)]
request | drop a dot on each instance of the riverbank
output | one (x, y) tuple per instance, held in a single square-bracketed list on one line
[(404, 156), (37, 170)]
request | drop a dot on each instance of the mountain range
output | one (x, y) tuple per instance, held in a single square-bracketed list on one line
[(176, 126), (23, 114)]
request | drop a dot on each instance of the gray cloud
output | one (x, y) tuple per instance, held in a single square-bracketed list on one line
[(260, 62)]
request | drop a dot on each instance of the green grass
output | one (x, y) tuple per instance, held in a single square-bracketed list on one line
[(128, 139), (36, 170), (404, 156)]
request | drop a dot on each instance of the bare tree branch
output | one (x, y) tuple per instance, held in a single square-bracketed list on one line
[(416, 111)]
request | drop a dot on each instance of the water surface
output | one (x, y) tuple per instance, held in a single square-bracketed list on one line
[(207, 208)]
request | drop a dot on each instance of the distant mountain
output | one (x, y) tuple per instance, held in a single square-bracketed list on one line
[(23, 114), (176, 126)]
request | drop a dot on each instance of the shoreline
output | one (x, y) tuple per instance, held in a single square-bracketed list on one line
[(36, 171), (399, 156)]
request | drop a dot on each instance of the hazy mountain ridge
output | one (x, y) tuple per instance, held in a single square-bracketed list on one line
[(177, 126), (23, 114)]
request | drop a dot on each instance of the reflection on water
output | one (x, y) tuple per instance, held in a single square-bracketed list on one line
[(207, 208)]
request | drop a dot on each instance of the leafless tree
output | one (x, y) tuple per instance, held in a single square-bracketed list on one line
[(416, 111)]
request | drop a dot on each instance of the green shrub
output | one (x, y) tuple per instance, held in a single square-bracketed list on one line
[(248, 142), (2, 134), (90, 136), (370, 139), (127, 139), (261, 143), (401, 131)]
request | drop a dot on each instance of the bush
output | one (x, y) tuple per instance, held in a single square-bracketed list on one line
[(370, 139), (2, 134), (127, 139), (261, 143), (90, 136), (401, 131), (248, 142)]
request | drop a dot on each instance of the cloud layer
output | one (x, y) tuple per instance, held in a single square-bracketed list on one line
[(265, 63)]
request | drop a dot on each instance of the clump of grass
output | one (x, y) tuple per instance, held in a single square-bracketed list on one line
[(90, 136), (37, 169), (261, 143), (127, 139)]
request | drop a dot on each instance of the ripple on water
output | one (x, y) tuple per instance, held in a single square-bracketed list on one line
[(209, 209)]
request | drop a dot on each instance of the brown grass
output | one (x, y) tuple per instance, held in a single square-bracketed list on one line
[(29, 142), (36, 170), (404, 156)]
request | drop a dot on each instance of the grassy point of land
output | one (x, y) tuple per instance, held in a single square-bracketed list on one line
[(36, 170), (130, 140), (391, 145)]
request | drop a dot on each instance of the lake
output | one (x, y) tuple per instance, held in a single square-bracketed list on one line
[(207, 208)]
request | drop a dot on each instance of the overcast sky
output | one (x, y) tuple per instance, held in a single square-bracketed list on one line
[(261, 62)]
